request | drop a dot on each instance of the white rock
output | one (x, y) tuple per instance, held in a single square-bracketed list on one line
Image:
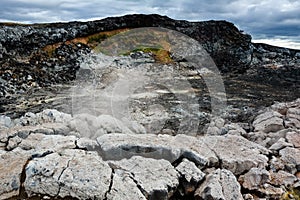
[(11, 167), (40, 142), (294, 138), (280, 144), (291, 158), (171, 148), (255, 178), (220, 184), (269, 121), (157, 178), (236, 153), (191, 175), (190, 171), (282, 178), (73, 173), (124, 188)]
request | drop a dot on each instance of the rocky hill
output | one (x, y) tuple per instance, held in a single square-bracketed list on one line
[(78, 123), (41, 55)]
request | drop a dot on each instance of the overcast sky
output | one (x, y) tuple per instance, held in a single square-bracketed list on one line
[(271, 21)]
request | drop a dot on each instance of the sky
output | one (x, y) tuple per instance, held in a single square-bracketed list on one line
[(275, 22)]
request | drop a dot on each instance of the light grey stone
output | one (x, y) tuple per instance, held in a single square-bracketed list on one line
[(291, 159), (191, 175), (269, 121), (280, 144), (219, 185), (255, 178), (294, 138), (124, 187), (190, 171), (73, 173), (171, 148), (13, 143), (11, 167), (53, 143), (236, 153), (282, 178), (157, 178), (52, 115), (235, 129)]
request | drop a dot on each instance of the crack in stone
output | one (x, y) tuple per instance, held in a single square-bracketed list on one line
[(59, 177), (220, 162), (22, 193), (110, 184), (146, 195)]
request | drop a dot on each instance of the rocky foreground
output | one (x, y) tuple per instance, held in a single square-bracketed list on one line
[(48, 155)]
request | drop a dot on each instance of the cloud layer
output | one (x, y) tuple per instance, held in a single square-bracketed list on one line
[(263, 19)]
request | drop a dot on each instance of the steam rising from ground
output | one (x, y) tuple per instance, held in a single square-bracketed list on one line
[(142, 94)]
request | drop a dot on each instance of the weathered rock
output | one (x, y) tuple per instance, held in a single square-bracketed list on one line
[(46, 116), (237, 154), (215, 126), (219, 185), (235, 129), (86, 143), (276, 164), (23, 132), (11, 167), (124, 187), (271, 192), (157, 179), (269, 121), (293, 118), (190, 174), (13, 143), (171, 148), (294, 138), (53, 143), (255, 178), (282, 178), (73, 173), (280, 144), (291, 159)]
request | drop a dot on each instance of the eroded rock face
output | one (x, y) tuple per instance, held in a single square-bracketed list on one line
[(157, 178), (268, 122), (74, 173)]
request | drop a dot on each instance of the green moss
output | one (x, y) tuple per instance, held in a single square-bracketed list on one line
[(159, 54), (97, 38)]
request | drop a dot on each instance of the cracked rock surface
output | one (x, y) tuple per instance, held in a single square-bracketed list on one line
[(47, 158)]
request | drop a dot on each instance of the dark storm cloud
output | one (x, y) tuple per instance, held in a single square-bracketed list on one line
[(261, 18)]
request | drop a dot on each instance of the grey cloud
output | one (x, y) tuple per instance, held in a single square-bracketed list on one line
[(258, 17)]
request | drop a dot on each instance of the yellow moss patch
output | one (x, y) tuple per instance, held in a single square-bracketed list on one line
[(94, 39), (291, 194), (49, 49), (91, 40)]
